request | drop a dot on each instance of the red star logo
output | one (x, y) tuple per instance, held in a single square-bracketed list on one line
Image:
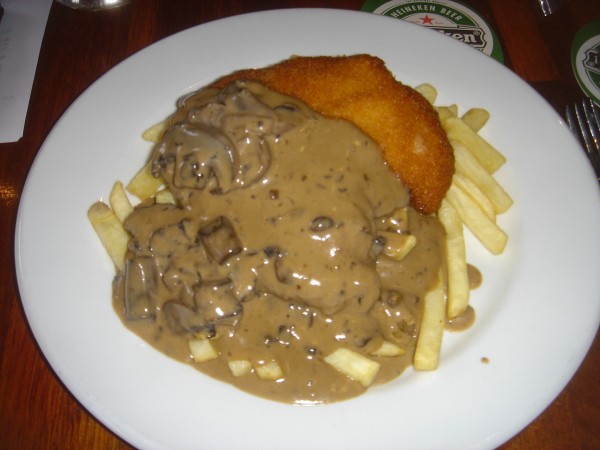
[(427, 20)]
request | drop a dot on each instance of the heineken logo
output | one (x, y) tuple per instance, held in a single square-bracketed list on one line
[(592, 59), (585, 59), (473, 36), (444, 16)]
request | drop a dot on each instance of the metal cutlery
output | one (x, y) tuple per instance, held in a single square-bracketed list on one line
[(583, 118)]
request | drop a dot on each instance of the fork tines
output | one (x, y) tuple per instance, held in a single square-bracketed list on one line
[(583, 119)]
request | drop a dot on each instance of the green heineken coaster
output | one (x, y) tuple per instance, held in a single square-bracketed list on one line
[(444, 16), (585, 59)]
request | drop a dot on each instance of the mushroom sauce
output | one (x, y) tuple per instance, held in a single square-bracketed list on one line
[(279, 246)]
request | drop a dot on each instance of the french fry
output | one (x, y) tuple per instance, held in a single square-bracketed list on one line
[(354, 365), (388, 348), (155, 132), (144, 185), (269, 371), (468, 165), (446, 112), (119, 202), (476, 118), (202, 350), (239, 367), (397, 246), (165, 196), (427, 91), (458, 292), (485, 229), (397, 221), (110, 230), (457, 130), (429, 341), (471, 188)]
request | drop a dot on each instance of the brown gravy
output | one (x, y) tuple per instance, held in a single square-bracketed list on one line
[(475, 277), (276, 248), (462, 322)]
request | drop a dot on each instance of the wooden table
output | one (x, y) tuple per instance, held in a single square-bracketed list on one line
[(36, 411)]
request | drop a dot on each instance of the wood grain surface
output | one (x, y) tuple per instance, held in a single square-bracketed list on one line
[(36, 411)]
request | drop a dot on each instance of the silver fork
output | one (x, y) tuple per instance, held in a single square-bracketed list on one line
[(550, 6), (583, 118)]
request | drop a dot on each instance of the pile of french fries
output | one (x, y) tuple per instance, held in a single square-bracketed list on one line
[(474, 200)]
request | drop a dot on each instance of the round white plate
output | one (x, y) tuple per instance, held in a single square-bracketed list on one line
[(538, 309)]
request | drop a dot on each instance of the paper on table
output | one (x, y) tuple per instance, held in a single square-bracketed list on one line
[(21, 32)]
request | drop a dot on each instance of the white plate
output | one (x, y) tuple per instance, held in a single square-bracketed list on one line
[(538, 309)]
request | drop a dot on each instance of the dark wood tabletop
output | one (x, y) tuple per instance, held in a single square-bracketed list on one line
[(36, 411)]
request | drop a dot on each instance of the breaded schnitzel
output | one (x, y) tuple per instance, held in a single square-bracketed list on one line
[(362, 90)]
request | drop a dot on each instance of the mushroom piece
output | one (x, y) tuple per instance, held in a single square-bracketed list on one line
[(220, 240), (216, 303), (377, 247), (140, 288), (321, 223), (183, 319), (196, 156)]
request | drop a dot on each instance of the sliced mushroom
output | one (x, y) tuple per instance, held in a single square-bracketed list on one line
[(321, 223), (220, 240), (248, 131), (140, 289), (377, 247), (171, 239), (183, 319), (237, 98), (216, 303), (196, 156)]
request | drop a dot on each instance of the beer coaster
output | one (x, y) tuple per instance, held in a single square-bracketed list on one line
[(585, 59), (444, 16)]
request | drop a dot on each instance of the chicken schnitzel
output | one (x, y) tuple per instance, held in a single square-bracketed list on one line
[(362, 90)]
